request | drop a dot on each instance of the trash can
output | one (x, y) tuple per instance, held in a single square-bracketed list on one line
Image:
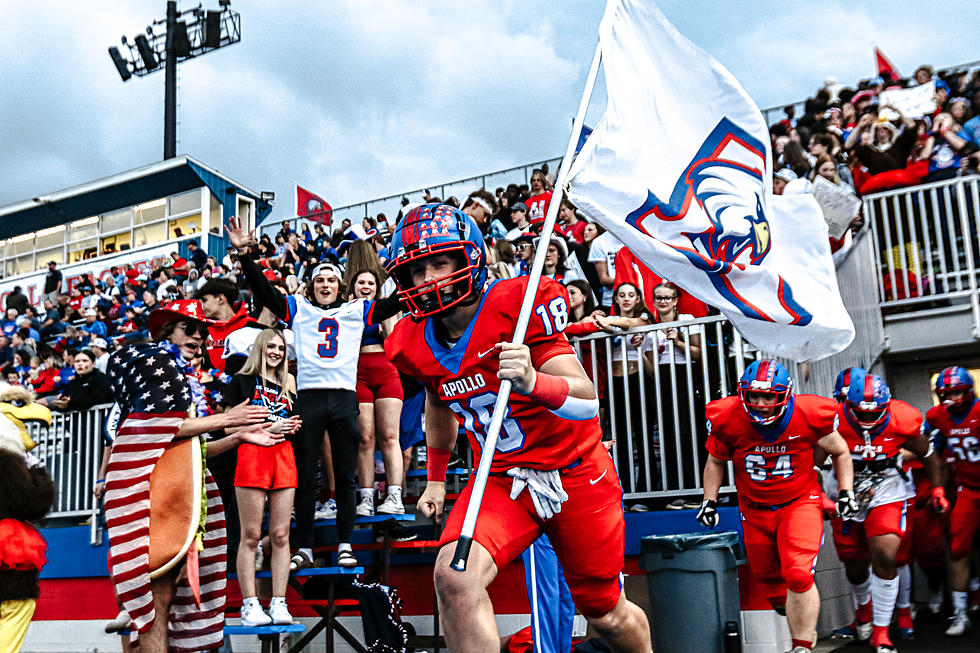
[(693, 585)]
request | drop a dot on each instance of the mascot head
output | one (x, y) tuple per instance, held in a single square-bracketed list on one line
[(18, 407)]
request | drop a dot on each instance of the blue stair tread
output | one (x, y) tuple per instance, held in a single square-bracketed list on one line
[(371, 519), (231, 629)]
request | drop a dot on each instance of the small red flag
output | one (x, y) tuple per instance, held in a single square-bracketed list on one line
[(312, 207), (885, 67)]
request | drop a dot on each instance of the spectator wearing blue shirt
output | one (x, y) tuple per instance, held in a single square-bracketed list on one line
[(9, 324), (94, 327), (972, 126)]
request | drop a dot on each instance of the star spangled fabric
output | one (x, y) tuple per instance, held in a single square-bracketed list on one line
[(680, 170), (154, 400), (312, 207)]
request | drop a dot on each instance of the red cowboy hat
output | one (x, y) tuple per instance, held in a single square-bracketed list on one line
[(176, 311)]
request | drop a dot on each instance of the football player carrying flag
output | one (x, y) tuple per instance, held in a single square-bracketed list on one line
[(680, 170)]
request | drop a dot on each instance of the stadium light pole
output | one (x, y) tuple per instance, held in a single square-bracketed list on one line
[(203, 32)]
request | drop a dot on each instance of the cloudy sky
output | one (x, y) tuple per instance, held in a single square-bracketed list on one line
[(361, 99)]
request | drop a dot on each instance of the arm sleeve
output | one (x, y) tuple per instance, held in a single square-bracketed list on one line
[(380, 310), (581, 329), (235, 392), (266, 296), (716, 445)]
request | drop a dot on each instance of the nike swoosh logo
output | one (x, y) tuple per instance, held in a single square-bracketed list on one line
[(594, 481), (814, 496), (793, 437), (484, 353)]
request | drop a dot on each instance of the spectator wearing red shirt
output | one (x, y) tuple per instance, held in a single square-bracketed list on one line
[(569, 225), (540, 198)]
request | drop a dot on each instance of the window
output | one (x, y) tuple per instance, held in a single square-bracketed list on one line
[(56, 254), (117, 221), (188, 224), (116, 243), (153, 233), (150, 212), (184, 203)]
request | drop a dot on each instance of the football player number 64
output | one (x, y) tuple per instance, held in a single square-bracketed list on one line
[(759, 469)]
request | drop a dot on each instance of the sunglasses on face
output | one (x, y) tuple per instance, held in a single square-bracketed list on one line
[(661, 298), (193, 328)]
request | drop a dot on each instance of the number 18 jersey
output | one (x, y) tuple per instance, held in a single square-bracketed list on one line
[(773, 465), (464, 375)]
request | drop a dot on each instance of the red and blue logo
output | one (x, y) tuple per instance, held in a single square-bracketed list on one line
[(729, 227)]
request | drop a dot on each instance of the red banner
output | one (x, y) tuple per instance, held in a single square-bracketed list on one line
[(312, 207), (885, 67)]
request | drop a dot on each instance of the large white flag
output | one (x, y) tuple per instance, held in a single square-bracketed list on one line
[(680, 170)]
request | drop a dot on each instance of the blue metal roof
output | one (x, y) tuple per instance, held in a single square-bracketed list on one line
[(125, 189)]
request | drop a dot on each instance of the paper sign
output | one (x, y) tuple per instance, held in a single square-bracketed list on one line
[(914, 102), (838, 203)]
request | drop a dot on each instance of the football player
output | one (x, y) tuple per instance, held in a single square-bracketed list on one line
[(876, 428), (770, 436), (955, 427), (550, 473)]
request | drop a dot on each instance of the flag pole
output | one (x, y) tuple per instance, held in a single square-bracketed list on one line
[(503, 396)]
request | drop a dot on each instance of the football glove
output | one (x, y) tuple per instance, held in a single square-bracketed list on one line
[(847, 505), (708, 515), (938, 500), (545, 489)]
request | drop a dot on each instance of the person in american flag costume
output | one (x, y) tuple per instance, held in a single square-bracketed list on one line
[(160, 401)]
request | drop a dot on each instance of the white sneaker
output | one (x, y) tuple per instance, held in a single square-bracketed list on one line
[(959, 624), (346, 559), (365, 508), (253, 615), (935, 603), (392, 505), (326, 510), (279, 613), (864, 630), (801, 649), (121, 622)]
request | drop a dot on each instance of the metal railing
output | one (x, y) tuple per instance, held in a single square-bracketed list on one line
[(653, 399), (926, 249), (71, 450), (854, 269), (392, 204)]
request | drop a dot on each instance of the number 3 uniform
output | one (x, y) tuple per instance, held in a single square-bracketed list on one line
[(779, 494), (464, 376)]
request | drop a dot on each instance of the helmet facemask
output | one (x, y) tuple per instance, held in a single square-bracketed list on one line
[(441, 294)]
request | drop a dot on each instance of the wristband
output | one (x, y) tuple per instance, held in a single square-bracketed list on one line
[(436, 461), (551, 392)]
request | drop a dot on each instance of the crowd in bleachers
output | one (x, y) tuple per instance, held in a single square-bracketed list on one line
[(852, 139), (843, 137)]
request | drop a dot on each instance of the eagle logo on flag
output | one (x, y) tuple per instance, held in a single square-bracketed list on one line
[(719, 204)]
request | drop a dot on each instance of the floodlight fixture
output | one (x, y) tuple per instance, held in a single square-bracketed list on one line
[(199, 33)]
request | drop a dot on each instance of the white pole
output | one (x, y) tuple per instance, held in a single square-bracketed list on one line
[(500, 407)]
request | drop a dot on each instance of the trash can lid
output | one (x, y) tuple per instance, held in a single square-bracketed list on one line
[(692, 541)]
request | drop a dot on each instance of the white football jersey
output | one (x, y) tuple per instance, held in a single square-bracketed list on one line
[(327, 342)]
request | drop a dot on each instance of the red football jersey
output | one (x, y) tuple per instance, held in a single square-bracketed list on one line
[(219, 331), (464, 376), (959, 440), (773, 465), (903, 423)]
